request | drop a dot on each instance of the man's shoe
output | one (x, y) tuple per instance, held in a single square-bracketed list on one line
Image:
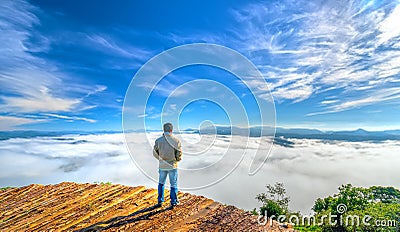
[(159, 204), (174, 204)]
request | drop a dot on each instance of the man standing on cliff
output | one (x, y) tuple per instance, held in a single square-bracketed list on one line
[(167, 149)]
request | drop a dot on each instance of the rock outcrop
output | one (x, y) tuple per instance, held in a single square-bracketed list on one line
[(97, 207)]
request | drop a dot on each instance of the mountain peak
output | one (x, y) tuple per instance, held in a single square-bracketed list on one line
[(93, 207), (361, 131)]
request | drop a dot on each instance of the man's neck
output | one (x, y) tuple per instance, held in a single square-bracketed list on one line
[(167, 133)]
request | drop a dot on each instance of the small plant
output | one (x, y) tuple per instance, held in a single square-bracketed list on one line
[(308, 228), (90, 206), (274, 201), (254, 211), (5, 188), (103, 183)]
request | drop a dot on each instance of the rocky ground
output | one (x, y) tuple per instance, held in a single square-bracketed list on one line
[(98, 207)]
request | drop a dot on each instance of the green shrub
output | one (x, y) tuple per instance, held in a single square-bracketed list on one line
[(271, 208)]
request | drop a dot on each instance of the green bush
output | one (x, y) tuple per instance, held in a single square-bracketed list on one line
[(271, 208)]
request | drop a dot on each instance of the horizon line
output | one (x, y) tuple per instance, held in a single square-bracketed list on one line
[(191, 128)]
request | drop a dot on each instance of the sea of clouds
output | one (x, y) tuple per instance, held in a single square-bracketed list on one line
[(309, 168)]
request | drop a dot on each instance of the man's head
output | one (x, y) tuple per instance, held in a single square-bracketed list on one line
[(168, 127)]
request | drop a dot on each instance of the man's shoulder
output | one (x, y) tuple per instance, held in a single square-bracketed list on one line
[(159, 139), (167, 138), (175, 138)]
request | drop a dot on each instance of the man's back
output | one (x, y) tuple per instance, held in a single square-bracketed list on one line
[(167, 149)]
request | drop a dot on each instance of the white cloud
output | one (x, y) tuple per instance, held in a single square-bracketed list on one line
[(304, 49), (98, 89), (29, 83), (110, 46), (390, 26), (40, 101), (173, 106), (326, 102), (166, 88), (380, 96), (73, 118), (10, 122), (24, 76), (296, 94)]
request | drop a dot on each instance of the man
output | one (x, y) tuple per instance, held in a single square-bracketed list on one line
[(167, 149)]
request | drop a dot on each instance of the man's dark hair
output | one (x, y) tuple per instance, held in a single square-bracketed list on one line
[(168, 127)]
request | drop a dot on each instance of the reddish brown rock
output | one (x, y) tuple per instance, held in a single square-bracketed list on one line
[(102, 207)]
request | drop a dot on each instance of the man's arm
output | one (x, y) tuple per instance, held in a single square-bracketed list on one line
[(178, 152), (155, 151)]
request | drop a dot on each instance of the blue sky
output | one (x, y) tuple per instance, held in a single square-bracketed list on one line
[(66, 65)]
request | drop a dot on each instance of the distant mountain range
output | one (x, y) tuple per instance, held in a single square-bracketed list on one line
[(4, 135), (281, 133), (352, 135)]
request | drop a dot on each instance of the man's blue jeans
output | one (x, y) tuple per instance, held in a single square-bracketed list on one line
[(173, 180)]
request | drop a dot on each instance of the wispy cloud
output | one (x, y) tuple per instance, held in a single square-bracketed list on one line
[(98, 89), (114, 47), (303, 49), (155, 113), (11, 122), (71, 118), (390, 27), (38, 101), (380, 96), (199, 37), (329, 102), (164, 89), (31, 84)]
